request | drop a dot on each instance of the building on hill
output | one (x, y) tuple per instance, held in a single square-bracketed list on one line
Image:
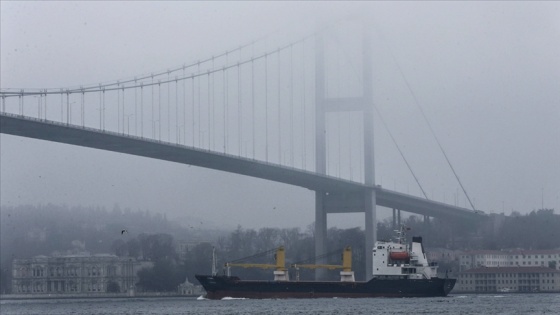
[(514, 258), (508, 279), (76, 274)]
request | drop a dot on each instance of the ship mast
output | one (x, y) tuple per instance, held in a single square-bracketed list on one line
[(214, 261)]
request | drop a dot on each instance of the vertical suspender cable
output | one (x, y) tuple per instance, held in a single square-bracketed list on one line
[(100, 108), (239, 129), (153, 111), (142, 110), (46, 98), (184, 107), (192, 107), (152, 96), (224, 103), (339, 111), (168, 107), (199, 106), (103, 110), (279, 115), (159, 110), (208, 109), (226, 116), (67, 107), (213, 108), (291, 107), (266, 105), (350, 144), (119, 108), (177, 129), (61, 106), (253, 102), (83, 109), (123, 109), (135, 109), (304, 109)]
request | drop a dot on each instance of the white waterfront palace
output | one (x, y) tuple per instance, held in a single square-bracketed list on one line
[(76, 274)]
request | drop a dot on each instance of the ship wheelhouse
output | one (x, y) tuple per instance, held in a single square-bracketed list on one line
[(397, 259)]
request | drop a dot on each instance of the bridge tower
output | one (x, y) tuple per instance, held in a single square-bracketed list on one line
[(343, 201)]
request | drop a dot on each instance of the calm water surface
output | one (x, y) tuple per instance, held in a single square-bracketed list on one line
[(453, 304)]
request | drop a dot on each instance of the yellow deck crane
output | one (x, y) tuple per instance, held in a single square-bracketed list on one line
[(280, 272), (346, 275)]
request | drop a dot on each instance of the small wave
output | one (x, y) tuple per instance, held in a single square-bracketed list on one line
[(461, 297), (200, 298), (227, 298), (498, 296)]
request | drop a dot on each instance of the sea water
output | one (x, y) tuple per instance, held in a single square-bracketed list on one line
[(493, 304)]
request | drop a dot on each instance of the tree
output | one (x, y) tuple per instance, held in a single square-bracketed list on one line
[(134, 248), (165, 276), (157, 246), (119, 248), (199, 260)]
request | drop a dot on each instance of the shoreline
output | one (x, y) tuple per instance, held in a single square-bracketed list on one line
[(91, 296)]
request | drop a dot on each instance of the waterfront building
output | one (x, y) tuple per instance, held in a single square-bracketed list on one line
[(76, 274), (514, 258), (188, 288), (508, 279)]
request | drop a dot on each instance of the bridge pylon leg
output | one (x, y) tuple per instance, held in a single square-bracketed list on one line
[(320, 232), (371, 230)]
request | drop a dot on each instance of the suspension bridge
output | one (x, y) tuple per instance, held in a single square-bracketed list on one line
[(300, 113)]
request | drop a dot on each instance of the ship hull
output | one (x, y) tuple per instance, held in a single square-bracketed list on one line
[(218, 287)]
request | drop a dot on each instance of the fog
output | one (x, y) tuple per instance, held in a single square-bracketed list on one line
[(487, 76)]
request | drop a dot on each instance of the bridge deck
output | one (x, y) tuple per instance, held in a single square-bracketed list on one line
[(111, 141)]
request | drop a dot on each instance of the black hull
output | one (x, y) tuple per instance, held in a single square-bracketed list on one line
[(218, 287)]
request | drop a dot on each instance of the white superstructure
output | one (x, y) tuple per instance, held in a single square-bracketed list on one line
[(395, 259)]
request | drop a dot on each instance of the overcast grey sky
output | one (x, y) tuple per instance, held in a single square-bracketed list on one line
[(486, 74)]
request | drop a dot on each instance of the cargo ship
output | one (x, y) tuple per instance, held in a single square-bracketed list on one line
[(399, 270)]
